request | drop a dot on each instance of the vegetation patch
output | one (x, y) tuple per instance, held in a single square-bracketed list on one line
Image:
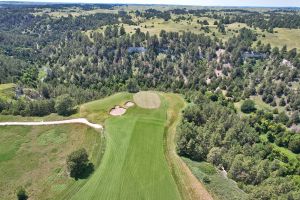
[(39, 169), (7, 91), (52, 136), (220, 187)]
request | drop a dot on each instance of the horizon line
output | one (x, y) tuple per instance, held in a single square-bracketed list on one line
[(144, 4)]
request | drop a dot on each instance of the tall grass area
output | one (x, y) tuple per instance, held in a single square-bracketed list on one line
[(7, 91), (221, 187), (35, 158)]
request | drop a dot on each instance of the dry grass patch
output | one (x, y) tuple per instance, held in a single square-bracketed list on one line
[(149, 100)]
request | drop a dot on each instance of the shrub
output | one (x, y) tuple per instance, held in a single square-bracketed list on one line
[(21, 194), (64, 105), (206, 179), (78, 164), (248, 106)]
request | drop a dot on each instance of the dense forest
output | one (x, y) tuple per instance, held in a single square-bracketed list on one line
[(248, 149)]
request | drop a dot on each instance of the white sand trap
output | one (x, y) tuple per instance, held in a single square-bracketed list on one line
[(148, 100), (117, 111), (128, 104)]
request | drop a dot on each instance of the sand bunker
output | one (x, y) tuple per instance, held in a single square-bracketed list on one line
[(117, 111), (128, 104)]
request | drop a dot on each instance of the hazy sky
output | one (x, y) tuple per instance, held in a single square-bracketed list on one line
[(275, 3)]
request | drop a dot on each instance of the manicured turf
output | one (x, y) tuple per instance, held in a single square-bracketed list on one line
[(148, 100), (34, 158), (134, 164)]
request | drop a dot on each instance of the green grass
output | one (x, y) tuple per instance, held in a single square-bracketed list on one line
[(221, 188), (134, 165), (34, 158), (98, 111), (7, 91), (259, 104), (280, 37)]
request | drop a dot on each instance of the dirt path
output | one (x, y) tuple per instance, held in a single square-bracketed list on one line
[(189, 186), (42, 123)]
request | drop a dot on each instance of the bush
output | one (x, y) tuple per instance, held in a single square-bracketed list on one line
[(64, 105), (206, 179), (294, 143), (78, 164), (248, 106), (282, 118), (132, 86), (21, 194)]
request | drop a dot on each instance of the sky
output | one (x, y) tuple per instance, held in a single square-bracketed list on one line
[(255, 3)]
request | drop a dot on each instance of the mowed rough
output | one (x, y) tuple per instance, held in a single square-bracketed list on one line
[(149, 100), (134, 164)]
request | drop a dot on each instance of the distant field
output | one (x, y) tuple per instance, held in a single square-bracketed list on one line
[(34, 158), (289, 37), (279, 38), (74, 12)]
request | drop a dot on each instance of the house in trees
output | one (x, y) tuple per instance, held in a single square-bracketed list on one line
[(255, 55)]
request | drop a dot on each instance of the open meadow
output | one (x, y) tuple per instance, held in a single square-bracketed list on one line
[(34, 158)]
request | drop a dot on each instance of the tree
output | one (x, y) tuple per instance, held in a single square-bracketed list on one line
[(78, 164), (294, 144), (2, 105), (122, 30), (248, 106), (132, 86), (282, 118), (64, 105), (215, 156), (21, 194), (295, 118)]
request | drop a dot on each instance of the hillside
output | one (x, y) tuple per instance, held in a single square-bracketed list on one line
[(168, 102)]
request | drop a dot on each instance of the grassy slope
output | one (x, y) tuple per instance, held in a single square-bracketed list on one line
[(7, 91), (134, 166), (189, 187), (222, 188), (280, 37), (34, 157)]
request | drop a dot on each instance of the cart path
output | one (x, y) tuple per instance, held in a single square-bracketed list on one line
[(42, 123)]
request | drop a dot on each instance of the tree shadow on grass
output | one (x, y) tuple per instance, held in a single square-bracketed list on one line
[(85, 172)]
